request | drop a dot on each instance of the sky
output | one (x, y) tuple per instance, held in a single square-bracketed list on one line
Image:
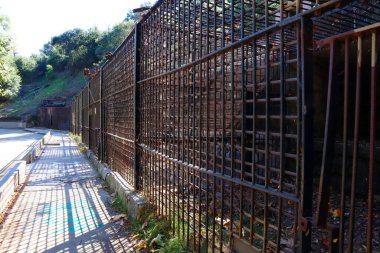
[(34, 22)]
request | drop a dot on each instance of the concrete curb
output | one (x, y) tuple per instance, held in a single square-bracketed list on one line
[(135, 203), (10, 182), (12, 124), (16, 176)]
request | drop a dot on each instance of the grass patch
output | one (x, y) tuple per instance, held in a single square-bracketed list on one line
[(117, 203), (78, 140), (155, 233), (62, 84), (158, 235)]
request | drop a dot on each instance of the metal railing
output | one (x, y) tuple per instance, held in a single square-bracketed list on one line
[(208, 108)]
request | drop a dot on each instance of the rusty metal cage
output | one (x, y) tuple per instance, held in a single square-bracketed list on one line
[(222, 114), (94, 114), (85, 116), (220, 125), (118, 105)]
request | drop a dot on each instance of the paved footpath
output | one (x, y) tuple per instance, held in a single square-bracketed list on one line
[(63, 207)]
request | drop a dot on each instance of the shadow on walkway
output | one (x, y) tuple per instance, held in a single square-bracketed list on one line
[(63, 208)]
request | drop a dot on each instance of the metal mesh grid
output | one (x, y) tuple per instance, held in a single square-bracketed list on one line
[(207, 104), (118, 100), (219, 136), (94, 113), (85, 116)]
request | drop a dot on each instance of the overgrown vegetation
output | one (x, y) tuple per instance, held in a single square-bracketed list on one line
[(154, 234), (72, 51), (56, 70), (54, 84), (78, 140), (76, 49), (9, 77)]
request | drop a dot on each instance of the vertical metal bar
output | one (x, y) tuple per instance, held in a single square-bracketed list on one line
[(136, 108), (253, 169), (177, 82), (82, 118), (88, 117), (223, 125), (193, 104), (344, 151), (232, 82), (306, 86), (207, 120), (176, 47), (200, 133), (372, 139), (329, 138), (181, 49), (267, 122), (243, 118), (189, 150), (166, 114), (101, 102), (282, 141), (214, 134), (355, 147), (172, 103)]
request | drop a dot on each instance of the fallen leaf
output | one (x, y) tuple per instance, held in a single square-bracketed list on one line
[(136, 236), (226, 223), (118, 217), (141, 245)]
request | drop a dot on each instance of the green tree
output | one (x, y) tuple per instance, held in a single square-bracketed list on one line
[(112, 38), (137, 16), (9, 77), (27, 67), (73, 49)]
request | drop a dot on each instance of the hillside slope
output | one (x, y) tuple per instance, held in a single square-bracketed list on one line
[(25, 106)]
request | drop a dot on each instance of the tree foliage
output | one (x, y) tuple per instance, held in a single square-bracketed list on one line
[(9, 77), (76, 49), (73, 49), (112, 38), (27, 67)]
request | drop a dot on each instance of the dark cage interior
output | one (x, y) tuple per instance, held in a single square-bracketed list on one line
[(251, 125)]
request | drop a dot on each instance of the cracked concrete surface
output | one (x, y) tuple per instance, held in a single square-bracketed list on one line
[(63, 207)]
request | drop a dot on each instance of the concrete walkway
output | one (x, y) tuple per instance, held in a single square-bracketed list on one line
[(63, 208)]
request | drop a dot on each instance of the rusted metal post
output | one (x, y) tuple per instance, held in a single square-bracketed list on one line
[(372, 138), (137, 53), (329, 139), (307, 115), (89, 116), (344, 152), (356, 146), (82, 114), (101, 118)]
